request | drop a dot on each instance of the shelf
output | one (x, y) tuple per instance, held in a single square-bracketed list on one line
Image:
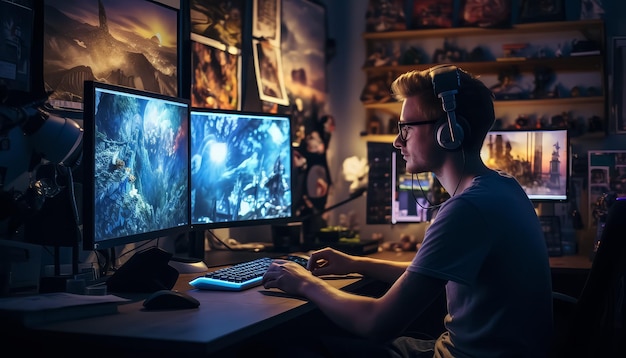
[(541, 27), (383, 138), (397, 106), (563, 64), (575, 70)]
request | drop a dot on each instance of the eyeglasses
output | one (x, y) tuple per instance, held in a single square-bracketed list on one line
[(402, 130)]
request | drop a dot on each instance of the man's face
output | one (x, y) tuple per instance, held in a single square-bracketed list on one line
[(416, 140)]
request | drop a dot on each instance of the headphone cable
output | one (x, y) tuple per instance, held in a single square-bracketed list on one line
[(431, 205)]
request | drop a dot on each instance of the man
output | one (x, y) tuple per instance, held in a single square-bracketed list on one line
[(485, 246)]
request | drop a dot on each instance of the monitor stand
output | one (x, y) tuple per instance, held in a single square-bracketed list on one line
[(188, 265)]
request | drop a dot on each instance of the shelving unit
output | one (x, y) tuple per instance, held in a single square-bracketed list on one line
[(578, 89)]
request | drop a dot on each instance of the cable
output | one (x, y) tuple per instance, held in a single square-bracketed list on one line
[(219, 240), (431, 205)]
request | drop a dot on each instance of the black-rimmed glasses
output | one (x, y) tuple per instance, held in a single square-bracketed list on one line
[(402, 130)]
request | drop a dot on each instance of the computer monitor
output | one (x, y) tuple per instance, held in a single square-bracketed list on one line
[(136, 162), (413, 196), (539, 159), (240, 168)]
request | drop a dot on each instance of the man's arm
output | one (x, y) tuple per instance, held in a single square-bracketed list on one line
[(383, 270), (376, 318)]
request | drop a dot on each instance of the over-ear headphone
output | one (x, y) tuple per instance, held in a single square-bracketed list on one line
[(446, 80)]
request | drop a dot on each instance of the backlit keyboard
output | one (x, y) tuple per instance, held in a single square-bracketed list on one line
[(240, 276)]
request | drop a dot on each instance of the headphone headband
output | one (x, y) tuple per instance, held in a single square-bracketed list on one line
[(446, 82)]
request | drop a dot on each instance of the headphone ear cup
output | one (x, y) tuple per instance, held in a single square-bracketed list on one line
[(444, 137)]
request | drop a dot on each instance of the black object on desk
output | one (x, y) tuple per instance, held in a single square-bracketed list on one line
[(170, 300), (146, 271)]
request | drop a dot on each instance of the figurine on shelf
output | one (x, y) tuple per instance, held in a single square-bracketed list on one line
[(377, 90), (596, 124), (544, 76), (411, 56), (507, 88), (385, 15), (378, 58), (449, 53)]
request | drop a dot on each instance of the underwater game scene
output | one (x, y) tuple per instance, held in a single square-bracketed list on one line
[(240, 167), (141, 164)]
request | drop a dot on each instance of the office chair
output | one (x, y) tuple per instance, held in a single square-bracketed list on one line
[(596, 326)]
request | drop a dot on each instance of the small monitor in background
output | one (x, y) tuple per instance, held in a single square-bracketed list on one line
[(414, 196), (136, 162), (539, 159), (240, 168)]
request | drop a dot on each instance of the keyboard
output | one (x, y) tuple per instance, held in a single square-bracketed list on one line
[(241, 276)]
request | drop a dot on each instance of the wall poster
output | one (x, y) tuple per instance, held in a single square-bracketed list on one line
[(219, 22), (607, 175), (269, 72), (105, 41), (17, 40), (216, 76), (303, 48), (266, 51)]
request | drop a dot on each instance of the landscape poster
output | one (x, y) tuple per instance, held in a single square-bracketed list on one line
[(133, 43)]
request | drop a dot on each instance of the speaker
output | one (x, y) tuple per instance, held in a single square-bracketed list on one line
[(446, 80), (146, 271)]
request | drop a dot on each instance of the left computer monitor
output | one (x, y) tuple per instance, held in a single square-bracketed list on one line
[(240, 168), (136, 162)]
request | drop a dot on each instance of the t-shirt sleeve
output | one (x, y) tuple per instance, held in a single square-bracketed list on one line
[(455, 245)]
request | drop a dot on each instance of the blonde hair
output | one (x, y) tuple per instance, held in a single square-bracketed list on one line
[(474, 102)]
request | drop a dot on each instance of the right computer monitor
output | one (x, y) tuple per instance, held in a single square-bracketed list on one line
[(240, 168), (539, 159)]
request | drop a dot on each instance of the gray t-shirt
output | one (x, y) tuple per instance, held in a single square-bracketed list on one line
[(488, 244)]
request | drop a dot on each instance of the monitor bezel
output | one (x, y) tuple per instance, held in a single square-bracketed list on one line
[(202, 226), (89, 237), (568, 150)]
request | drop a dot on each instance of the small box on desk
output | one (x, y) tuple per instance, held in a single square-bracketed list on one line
[(344, 240), (360, 247), (335, 234)]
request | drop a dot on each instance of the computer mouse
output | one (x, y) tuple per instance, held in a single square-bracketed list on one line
[(170, 300)]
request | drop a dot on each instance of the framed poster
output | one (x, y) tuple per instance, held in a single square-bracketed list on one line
[(107, 42), (607, 174), (17, 39), (303, 53), (266, 20), (216, 76), (219, 22), (269, 72)]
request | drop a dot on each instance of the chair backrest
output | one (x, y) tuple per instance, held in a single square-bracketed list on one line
[(598, 327)]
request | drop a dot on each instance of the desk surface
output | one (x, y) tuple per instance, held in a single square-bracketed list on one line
[(222, 320)]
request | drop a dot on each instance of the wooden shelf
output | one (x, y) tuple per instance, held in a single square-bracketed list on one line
[(397, 106), (577, 67), (563, 64), (556, 26)]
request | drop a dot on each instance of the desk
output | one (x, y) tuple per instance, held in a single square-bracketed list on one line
[(223, 320)]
